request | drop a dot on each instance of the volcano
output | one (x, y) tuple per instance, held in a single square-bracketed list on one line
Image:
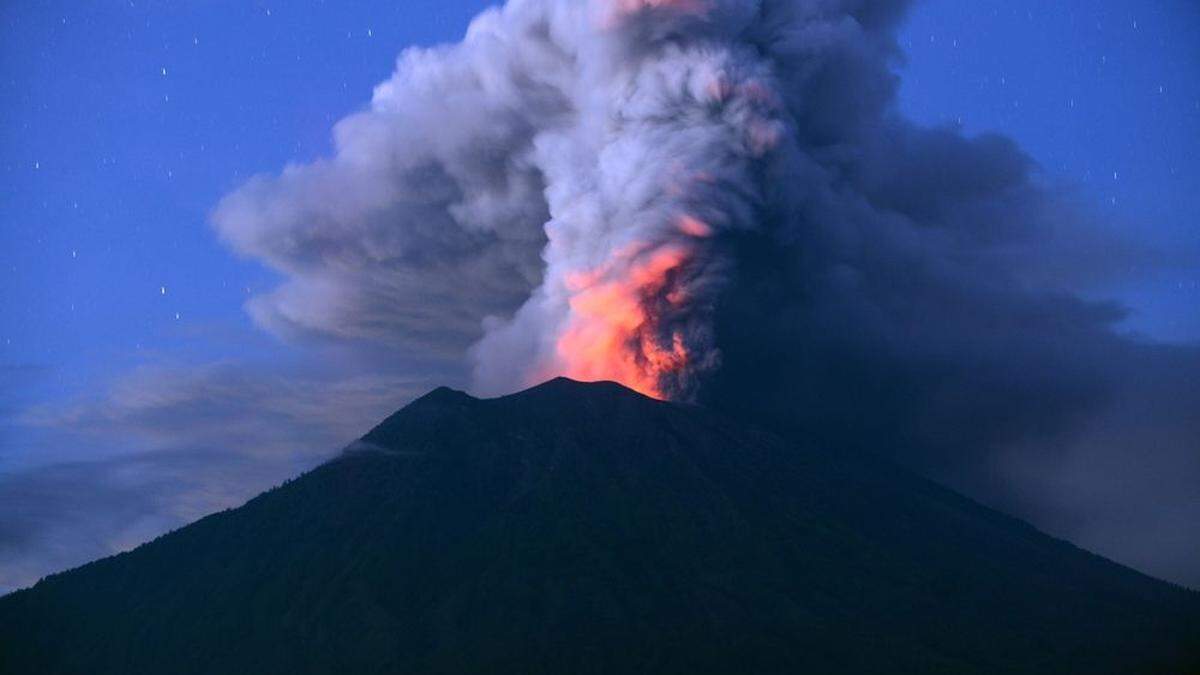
[(586, 528)]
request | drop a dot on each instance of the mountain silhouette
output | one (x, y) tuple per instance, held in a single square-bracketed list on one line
[(584, 528)]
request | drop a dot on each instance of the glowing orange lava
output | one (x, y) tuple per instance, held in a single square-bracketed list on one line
[(613, 333)]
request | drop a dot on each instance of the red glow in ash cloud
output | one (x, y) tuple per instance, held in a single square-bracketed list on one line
[(615, 331), (689, 6), (614, 11)]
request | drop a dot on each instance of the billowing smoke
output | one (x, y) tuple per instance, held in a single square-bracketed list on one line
[(673, 121), (716, 200)]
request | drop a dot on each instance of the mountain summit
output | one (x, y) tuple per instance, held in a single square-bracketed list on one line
[(585, 528)]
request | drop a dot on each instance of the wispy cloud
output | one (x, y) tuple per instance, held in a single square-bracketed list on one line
[(189, 441)]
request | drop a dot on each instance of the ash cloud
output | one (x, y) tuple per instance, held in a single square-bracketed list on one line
[(821, 264)]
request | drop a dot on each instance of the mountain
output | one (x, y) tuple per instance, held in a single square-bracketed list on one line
[(584, 528)]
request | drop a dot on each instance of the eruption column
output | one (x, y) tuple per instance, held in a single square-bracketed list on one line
[(613, 332)]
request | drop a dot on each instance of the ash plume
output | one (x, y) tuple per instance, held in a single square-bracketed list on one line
[(717, 200)]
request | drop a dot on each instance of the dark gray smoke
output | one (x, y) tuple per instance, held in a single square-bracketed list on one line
[(717, 200)]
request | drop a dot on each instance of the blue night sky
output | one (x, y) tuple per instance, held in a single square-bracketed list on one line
[(125, 123)]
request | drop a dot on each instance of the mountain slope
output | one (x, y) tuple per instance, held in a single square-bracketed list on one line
[(583, 528)]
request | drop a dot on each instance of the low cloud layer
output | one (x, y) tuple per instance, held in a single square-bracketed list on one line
[(187, 442)]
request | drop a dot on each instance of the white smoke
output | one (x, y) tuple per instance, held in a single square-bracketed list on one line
[(670, 115), (611, 138)]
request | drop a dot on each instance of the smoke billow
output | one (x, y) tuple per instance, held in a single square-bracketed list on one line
[(716, 200)]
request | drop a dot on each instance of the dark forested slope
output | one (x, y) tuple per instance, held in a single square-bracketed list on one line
[(583, 528)]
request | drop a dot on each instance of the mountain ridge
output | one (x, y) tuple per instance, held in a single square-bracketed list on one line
[(583, 527)]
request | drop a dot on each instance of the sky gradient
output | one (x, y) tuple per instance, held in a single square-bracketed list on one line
[(125, 349)]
